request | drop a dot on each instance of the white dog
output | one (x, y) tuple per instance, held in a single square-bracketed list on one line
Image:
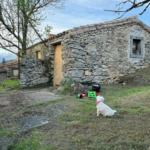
[(103, 108)]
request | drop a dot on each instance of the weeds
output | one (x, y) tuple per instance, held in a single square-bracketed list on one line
[(67, 81), (31, 143), (37, 104), (67, 90), (2, 90), (9, 84), (5, 133)]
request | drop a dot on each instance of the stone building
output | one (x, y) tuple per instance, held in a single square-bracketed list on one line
[(8, 70), (100, 52)]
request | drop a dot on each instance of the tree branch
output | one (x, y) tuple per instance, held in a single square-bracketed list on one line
[(37, 33), (133, 6), (8, 49)]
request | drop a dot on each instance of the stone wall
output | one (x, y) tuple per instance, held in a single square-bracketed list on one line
[(32, 72), (102, 54)]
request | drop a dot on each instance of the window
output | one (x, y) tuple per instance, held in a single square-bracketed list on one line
[(38, 54), (15, 72), (137, 48)]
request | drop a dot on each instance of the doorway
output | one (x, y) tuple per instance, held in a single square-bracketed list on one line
[(58, 74)]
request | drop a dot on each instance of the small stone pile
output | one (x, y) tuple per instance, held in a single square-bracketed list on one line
[(32, 72)]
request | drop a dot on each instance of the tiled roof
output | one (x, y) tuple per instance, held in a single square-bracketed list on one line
[(9, 64), (107, 24), (59, 34), (91, 27), (101, 25)]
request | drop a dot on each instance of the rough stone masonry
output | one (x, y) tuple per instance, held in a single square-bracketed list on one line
[(103, 52), (32, 72)]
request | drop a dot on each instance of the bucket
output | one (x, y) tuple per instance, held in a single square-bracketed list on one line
[(86, 83), (96, 87)]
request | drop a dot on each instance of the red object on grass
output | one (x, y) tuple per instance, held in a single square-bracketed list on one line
[(83, 95), (96, 94)]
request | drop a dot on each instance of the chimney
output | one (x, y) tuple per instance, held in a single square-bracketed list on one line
[(50, 35)]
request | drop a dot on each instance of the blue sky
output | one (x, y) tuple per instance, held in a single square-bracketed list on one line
[(82, 12)]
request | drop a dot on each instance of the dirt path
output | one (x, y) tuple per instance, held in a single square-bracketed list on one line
[(20, 111)]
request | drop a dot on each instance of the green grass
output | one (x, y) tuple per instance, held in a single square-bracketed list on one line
[(115, 92), (79, 127), (5, 133), (67, 90), (113, 96), (10, 84), (128, 129), (45, 103), (2, 90), (37, 104), (137, 110), (31, 143)]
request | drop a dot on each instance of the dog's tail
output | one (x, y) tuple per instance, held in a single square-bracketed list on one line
[(114, 111)]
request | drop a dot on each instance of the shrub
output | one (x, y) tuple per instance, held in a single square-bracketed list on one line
[(67, 81)]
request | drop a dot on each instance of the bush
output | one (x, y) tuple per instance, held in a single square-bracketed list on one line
[(67, 81), (67, 88)]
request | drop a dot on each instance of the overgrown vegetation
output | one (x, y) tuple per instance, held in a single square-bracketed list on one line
[(68, 86), (4, 133), (9, 84), (47, 64), (67, 81)]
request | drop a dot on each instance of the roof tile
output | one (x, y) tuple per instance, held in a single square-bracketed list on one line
[(113, 23)]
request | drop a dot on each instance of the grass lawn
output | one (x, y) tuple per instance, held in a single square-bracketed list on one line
[(78, 128), (128, 129), (9, 84)]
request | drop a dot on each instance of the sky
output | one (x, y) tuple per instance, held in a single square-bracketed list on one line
[(82, 12)]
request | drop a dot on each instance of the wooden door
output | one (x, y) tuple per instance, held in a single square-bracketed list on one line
[(58, 74), (39, 55)]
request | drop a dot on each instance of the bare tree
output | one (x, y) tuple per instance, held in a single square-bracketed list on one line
[(20, 18), (133, 4)]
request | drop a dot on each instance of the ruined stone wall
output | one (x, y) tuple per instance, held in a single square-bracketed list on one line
[(32, 69), (32, 72), (102, 55)]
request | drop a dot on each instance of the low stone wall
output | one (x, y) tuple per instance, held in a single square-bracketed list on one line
[(32, 72)]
